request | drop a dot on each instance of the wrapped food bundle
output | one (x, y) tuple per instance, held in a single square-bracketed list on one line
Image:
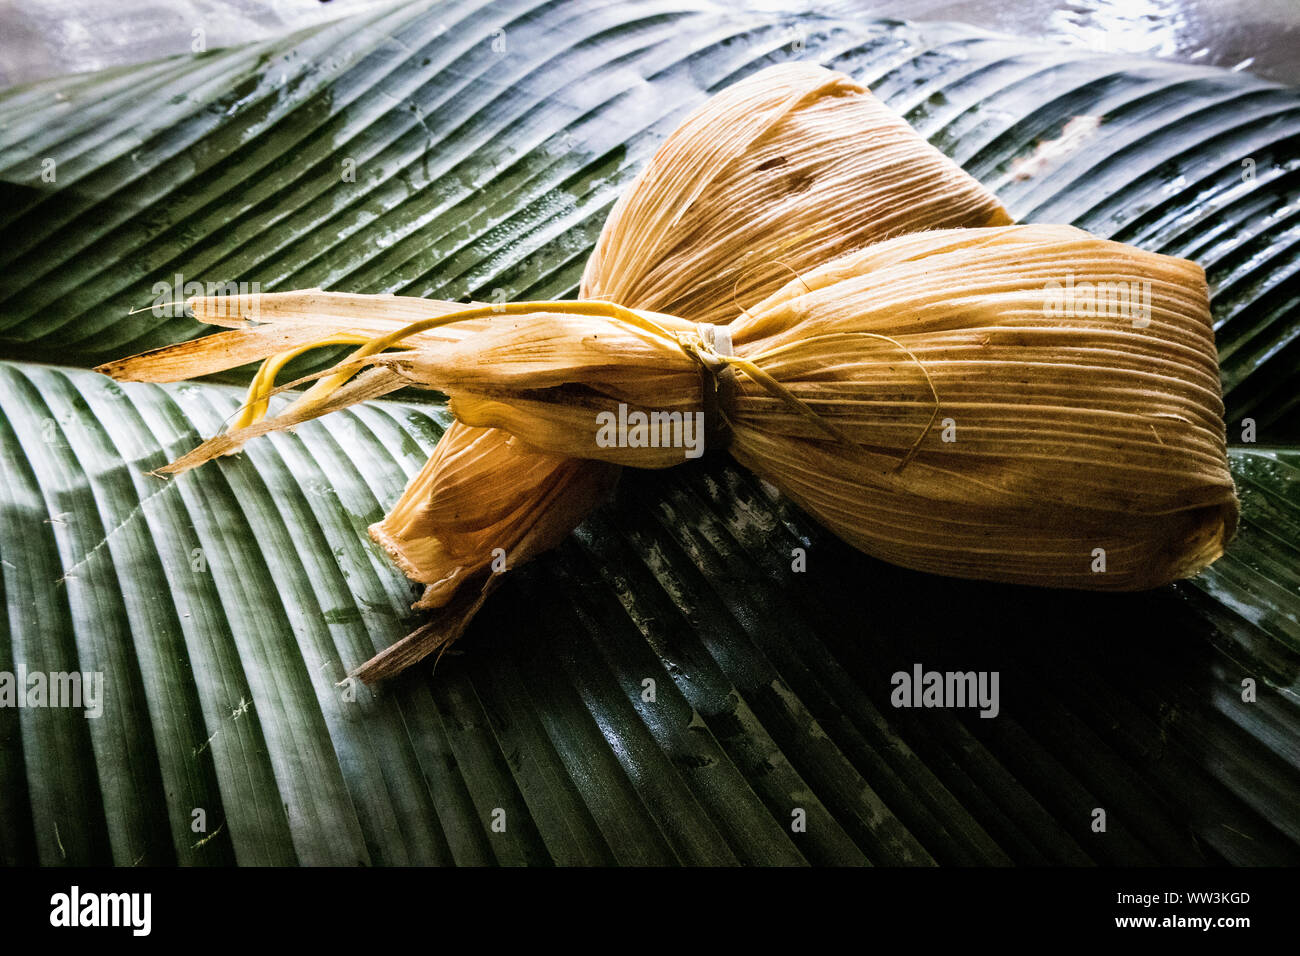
[(938, 387)]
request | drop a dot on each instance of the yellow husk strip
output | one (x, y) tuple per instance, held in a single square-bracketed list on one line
[(285, 322), (267, 323)]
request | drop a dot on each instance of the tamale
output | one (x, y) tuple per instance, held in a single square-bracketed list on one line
[(1028, 404)]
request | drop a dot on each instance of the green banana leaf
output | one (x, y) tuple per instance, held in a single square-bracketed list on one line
[(664, 688)]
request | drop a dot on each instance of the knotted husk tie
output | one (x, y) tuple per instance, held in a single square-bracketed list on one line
[(717, 383)]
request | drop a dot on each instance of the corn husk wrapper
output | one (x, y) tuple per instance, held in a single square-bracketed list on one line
[(774, 175), (1077, 439)]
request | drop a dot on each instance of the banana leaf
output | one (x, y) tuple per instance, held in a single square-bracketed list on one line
[(664, 688)]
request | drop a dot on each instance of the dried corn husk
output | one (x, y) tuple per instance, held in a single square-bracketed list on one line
[(268, 323), (449, 533)]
